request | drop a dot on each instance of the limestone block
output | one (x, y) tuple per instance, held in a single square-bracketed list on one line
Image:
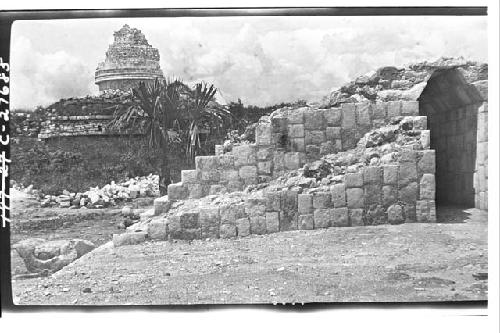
[(407, 173), (321, 200), (226, 161), (174, 225), (340, 217), (356, 217), (129, 238), (212, 176), (244, 155), (427, 162), (272, 222), (409, 193), (372, 175), (306, 222), (189, 176), (323, 218), (314, 120), (258, 225), (333, 116), (395, 214), (420, 123), (243, 227), (229, 214), (189, 220), (209, 220), (354, 179), (273, 201), (379, 110), (333, 133), (263, 134), (338, 195), (393, 109), (355, 198), (279, 161), (229, 175), (228, 231), (389, 195), (157, 229), (364, 119), (234, 185), (197, 191), (372, 194), (292, 161), (327, 147), (206, 163), (288, 213), (177, 191), (409, 108), (427, 187), (255, 208), (410, 213), (314, 137), (425, 139), (248, 172), (348, 116), (312, 152), (264, 167), (161, 205), (296, 130), (305, 203), (217, 189), (349, 138), (408, 156), (375, 215), (298, 144), (264, 154), (279, 124), (391, 174), (297, 116)]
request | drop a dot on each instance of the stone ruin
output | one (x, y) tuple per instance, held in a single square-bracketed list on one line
[(386, 149), (129, 60)]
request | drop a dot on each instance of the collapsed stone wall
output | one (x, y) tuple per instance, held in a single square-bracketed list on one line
[(75, 126), (387, 178), (284, 141)]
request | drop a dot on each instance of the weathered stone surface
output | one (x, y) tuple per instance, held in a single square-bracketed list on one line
[(321, 200), (258, 225), (189, 176), (228, 231), (298, 144), (327, 147), (264, 154), (348, 116), (389, 195), (209, 220), (273, 201), (375, 215), (314, 137), (409, 193), (393, 109), (296, 131), (129, 238), (305, 203), (288, 213), (248, 172), (314, 120), (291, 161), (425, 139), (419, 122), (395, 214), (177, 191), (356, 217), (379, 110), (229, 175), (338, 195), (354, 179), (333, 133), (363, 111), (272, 222), (263, 134), (407, 173), (410, 213), (189, 220), (409, 108), (197, 191), (243, 227), (355, 198), (210, 176), (226, 161), (306, 222), (323, 218), (372, 194), (296, 117), (161, 205), (340, 217), (333, 116), (217, 189), (427, 187), (157, 229), (206, 163), (427, 163), (372, 175), (264, 167), (244, 155), (391, 174)]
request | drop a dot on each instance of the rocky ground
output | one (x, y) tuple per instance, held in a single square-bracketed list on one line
[(446, 261)]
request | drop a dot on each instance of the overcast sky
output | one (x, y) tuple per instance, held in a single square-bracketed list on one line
[(262, 60)]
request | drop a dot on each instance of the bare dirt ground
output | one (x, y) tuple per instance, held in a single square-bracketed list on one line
[(388, 263)]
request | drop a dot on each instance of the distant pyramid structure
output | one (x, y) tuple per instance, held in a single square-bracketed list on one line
[(129, 60)]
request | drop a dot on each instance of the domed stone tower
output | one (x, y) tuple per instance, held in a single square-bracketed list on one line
[(129, 60)]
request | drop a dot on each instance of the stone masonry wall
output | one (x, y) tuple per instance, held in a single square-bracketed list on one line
[(396, 191), (481, 167), (285, 141), (74, 126)]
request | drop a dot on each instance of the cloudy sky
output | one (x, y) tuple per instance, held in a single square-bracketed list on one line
[(262, 60)]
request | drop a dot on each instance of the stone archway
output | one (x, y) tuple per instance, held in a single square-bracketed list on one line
[(451, 106)]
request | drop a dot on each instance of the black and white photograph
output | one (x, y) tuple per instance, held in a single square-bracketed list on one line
[(285, 157)]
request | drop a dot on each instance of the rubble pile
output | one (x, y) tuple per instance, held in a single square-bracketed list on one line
[(108, 195)]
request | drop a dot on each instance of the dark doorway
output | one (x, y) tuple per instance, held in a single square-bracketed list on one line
[(451, 107)]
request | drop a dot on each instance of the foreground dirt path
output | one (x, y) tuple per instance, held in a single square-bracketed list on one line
[(409, 262)]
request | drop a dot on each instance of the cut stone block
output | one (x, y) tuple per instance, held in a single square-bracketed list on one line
[(212, 176), (209, 220), (323, 218), (248, 171), (364, 119), (157, 229), (305, 203), (427, 163), (348, 116), (263, 134), (226, 161), (292, 161), (306, 222), (379, 110), (189, 220), (372, 175), (244, 155), (314, 120), (427, 187), (296, 130), (333, 116), (321, 200), (389, 195), (395, 214), (372, 194), (409, 193), (272, 222), (420, 122), (273, 201), (206, 162), (407, 173), (375, 215), (297, 116), (197, 191), (264, 154), (243, 227), (314, 137), (393, 109), (177, 191), (161, 205), (425, 139), (356, 217), (298, 144), (228, 231), (258, 225), (264, 167), (338, 195), (355, 198), (333, 133), (340, 217), (354, 179), (129, 238), (409, 108), (410, 213), (189, 176)]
